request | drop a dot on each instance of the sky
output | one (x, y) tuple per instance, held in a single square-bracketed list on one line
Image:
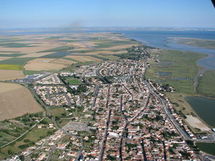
[(106, 13)]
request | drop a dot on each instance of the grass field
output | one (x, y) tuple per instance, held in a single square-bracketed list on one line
[(10, 67), (59, 49), (105, 57), (207, 84), (84, 58), (23, 101), (15, 45), (181, 65), (73, 81), (110, 43), (10, 55), (16, 61), (210, 44), (33, 136)]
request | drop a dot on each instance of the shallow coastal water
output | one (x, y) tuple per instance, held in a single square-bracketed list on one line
[(163, 39), (204, 107)]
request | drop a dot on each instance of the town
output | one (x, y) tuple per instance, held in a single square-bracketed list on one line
[(115, 114)]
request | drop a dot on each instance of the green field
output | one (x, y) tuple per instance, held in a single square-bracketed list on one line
[(14, 45), (111, 43), (30, 72), (176, 68), (11, 55), (105, 57), (14, 128), (10, 67), (207, 147), (207, 84), (73, 81), (210, 44), (16, 61), (59, 49), (29, 140)]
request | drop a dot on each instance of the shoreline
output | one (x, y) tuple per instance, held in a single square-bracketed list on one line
[(200, 69)]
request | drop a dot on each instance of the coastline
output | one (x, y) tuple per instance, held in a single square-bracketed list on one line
[(188, 107)]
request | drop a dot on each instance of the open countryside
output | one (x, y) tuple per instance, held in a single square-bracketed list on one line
[(107, 80), (16, 101)]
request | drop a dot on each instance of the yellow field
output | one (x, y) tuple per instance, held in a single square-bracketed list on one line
[(10, 74), (16, 101), (10, 67), (84, 58), (46, 64)]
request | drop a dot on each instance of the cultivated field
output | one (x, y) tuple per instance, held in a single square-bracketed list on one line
[(46, 64), (10, 74), (10, 67), (4, 58), (84, 58), (16, 101), (51, 52)]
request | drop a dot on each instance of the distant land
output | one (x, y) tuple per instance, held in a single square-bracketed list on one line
[(72, 28), (210, 44)]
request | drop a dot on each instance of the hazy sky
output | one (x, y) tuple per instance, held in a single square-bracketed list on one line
[(128, 13)]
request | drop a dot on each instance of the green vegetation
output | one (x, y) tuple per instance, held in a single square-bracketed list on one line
[(30, 72), (10, 67), (104, 58), (17, 61), (180, 103), (207, 147), (210, 44), (14, 45), (58, 54), (206, 84), (111, 43), (57, 112), (12, 129), (133, 53), (107, 56), (54, 37), (73, 81), (11, 55), (75, 66), (28, 140), (181, 65), (59, 49)]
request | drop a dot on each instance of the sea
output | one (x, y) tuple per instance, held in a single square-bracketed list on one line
[(163, 39)]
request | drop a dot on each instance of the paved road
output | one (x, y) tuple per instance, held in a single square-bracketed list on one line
[(169, 115), (210, 139)]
